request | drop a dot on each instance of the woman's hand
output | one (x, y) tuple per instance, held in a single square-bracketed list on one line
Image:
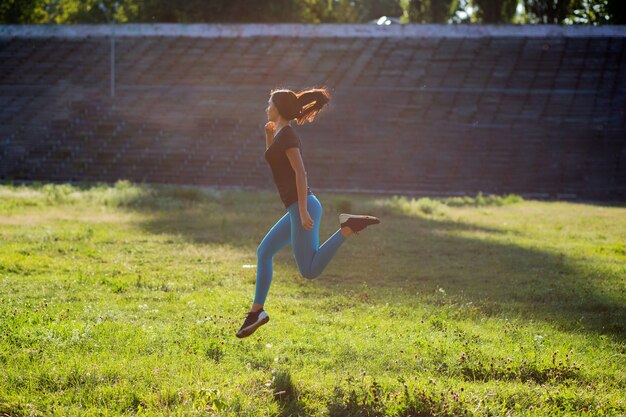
[(269, 129), (307, 221)]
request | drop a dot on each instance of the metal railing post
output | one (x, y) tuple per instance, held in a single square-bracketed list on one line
[(111, 20)]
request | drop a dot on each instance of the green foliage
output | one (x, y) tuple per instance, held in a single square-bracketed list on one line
[(496, 11), (482, 200), (122, 194), (66, 11), (422, 205), (194, 11), (430, 11), (547, 11), (20, 11), (617, 11), (593, 12), (439, 206), (313, 11)]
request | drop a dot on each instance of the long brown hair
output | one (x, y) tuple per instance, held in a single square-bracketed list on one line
[(304, 106)]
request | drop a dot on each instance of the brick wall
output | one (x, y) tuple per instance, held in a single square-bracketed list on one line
[(418, 109)]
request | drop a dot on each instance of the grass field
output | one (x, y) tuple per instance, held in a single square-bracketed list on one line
[(124, 299)]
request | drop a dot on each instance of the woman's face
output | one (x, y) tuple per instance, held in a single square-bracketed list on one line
[(272, 111)]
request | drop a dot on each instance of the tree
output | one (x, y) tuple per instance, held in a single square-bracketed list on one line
[(588, 12), (495, 11), (359, 11), (430, 11), (617, 11), (19, 11), (373, 9), (547, 11), (315, 11), (198, 11)]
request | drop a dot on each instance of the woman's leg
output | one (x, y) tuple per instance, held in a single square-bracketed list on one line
[(310, 257), (277, 238)]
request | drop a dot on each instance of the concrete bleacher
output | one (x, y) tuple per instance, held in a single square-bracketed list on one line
[(417, 109)]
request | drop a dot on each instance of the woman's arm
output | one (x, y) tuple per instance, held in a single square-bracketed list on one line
[(268, 140), (295, 159)]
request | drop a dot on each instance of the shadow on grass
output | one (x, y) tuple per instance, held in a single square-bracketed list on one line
[(286, 394), (496, 275), (406, 253)]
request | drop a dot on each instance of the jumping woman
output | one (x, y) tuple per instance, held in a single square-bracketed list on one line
[(299, 226)]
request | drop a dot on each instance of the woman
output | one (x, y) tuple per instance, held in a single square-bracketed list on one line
[(300, 225)]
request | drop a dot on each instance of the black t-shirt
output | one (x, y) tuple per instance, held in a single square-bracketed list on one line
[(283, 173)]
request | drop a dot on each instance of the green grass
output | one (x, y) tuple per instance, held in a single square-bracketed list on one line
[(124, 300)]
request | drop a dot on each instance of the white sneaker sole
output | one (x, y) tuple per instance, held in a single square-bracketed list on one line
[(247, 331), (343, 217)]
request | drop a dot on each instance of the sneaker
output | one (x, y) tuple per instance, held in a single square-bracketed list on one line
[(253, 321), (357, 222)]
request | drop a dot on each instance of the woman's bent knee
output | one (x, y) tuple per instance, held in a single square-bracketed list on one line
[(261, 252), (309, 274)]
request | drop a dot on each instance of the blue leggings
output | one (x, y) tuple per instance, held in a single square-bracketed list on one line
[(310, 257)]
